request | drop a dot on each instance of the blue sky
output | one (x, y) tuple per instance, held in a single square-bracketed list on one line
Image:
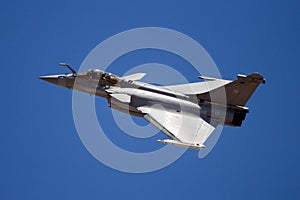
[(42, 156)]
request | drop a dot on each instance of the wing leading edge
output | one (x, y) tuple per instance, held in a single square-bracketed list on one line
[(186, 130)]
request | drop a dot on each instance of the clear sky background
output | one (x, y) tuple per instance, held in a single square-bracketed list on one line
[(41, 154)]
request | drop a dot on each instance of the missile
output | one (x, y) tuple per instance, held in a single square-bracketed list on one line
[(181, 144)]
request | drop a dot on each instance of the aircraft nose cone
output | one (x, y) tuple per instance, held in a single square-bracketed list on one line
[(50, 79)]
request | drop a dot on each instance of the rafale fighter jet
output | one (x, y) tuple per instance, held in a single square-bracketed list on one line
[(186, 113)]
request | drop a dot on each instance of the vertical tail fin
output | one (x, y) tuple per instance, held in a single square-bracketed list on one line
[(238, 92)]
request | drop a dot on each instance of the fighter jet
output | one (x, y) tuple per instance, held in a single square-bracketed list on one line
[(186, 113)]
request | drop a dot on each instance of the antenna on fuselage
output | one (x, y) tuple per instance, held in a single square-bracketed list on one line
[(69, 67)]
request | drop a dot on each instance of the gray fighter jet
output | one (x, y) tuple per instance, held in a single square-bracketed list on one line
[(186, 113)]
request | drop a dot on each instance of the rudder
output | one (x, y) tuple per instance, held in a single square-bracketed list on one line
[(238, 92)]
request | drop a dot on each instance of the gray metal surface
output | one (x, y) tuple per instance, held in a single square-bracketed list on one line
[(183, 112)]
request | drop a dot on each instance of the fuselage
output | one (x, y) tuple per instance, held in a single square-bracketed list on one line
[(103, 84)]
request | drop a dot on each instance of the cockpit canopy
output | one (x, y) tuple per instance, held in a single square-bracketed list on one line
[(100, 76)]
